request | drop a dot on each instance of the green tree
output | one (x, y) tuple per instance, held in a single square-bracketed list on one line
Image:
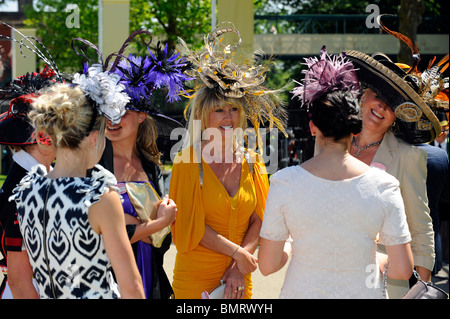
[(56, 29), (169, 19), (165, 19)]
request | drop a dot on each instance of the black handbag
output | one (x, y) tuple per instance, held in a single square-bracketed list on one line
[(424, 290)]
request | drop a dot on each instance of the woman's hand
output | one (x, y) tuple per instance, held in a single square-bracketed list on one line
[(167, 211), (245, 262), (166, 214), (235, 283)]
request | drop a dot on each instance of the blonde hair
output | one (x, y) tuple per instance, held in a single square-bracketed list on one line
[(64, 114), (206, 101), (146, 140)]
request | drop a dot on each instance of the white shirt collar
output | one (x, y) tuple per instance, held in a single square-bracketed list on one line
[(443, 144), (24, 159)]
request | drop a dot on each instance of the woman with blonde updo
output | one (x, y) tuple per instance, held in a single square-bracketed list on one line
[(73, 225)]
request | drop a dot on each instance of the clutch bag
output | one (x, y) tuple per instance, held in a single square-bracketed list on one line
[(145, 201), (215, 293)]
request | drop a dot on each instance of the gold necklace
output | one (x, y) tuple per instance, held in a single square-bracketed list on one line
[(365, 147)]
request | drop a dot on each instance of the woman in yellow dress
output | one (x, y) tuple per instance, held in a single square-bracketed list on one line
[(220, 189)]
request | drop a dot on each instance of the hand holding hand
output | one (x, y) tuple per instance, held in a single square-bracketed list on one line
[(246, 262), (167, 211)]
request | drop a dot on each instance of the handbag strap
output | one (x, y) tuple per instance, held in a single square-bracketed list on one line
[(385, 279), (419, 279), (52, 284)]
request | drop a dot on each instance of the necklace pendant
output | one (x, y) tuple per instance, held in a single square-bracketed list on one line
[(365, 147), (357, 153)]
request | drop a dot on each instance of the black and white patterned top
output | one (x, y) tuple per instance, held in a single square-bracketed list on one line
[(73, 251)]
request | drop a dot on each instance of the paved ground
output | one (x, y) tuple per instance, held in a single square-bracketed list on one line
[(269, 287), (263, 287)]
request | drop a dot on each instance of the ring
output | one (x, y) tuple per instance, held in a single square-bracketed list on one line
[(240, 288)]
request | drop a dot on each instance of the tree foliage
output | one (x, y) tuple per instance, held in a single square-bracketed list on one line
[(49, 17), (165, 19), (168, 19)]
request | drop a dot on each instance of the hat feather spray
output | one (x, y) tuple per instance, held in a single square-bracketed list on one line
[(216, 68), (101, 85), (324, 75), (429, 84), (15, 128), (142, 76)]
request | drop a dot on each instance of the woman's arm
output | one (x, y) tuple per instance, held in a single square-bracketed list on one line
[(20, 275), (107, 218), (243, 261), (414, 193), (166, 216), (218, 243), (251, 239), (273, 255), (400, 261)]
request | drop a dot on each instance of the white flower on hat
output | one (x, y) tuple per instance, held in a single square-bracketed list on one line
[(105, 90)]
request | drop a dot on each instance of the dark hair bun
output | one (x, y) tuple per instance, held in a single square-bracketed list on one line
[(336, 114)]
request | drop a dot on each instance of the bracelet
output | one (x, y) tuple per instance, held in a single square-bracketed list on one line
[(235, 251)]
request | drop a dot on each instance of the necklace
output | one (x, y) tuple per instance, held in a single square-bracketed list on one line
[(365, 147)]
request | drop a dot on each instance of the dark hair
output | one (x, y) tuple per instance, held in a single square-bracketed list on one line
[(336, 114)]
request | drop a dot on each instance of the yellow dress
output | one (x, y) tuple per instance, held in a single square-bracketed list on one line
[(197, 268)]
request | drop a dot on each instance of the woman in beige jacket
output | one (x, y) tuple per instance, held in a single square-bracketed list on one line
[(395, 118), (409, 165)]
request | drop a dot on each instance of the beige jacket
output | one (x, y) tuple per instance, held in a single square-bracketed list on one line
[(409, 165)]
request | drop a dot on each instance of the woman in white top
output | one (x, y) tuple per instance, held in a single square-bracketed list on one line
[(333, 206)]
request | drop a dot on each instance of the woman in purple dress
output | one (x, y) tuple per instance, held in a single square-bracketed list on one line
[(132, 154)]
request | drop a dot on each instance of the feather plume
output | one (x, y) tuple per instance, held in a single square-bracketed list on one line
[(141, 76), (216, 68), (35, 46), (324, 75), (412, 45), (430, 85)]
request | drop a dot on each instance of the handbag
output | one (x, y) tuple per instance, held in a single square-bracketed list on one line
[(145, 201), (215, 293), (424, 290)]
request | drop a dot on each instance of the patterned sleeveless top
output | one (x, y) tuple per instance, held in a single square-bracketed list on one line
[(73, 252)]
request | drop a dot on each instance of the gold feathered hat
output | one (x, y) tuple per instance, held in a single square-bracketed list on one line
[(216, 68)]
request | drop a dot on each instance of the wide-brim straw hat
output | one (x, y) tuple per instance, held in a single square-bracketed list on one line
[(416, 121)]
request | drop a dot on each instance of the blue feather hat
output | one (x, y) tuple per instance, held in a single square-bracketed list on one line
[(142, 76)]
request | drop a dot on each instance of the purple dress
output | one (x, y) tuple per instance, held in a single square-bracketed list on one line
[(142, 251)]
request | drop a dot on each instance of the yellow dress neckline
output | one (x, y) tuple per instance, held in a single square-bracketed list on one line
[(233, 198)]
